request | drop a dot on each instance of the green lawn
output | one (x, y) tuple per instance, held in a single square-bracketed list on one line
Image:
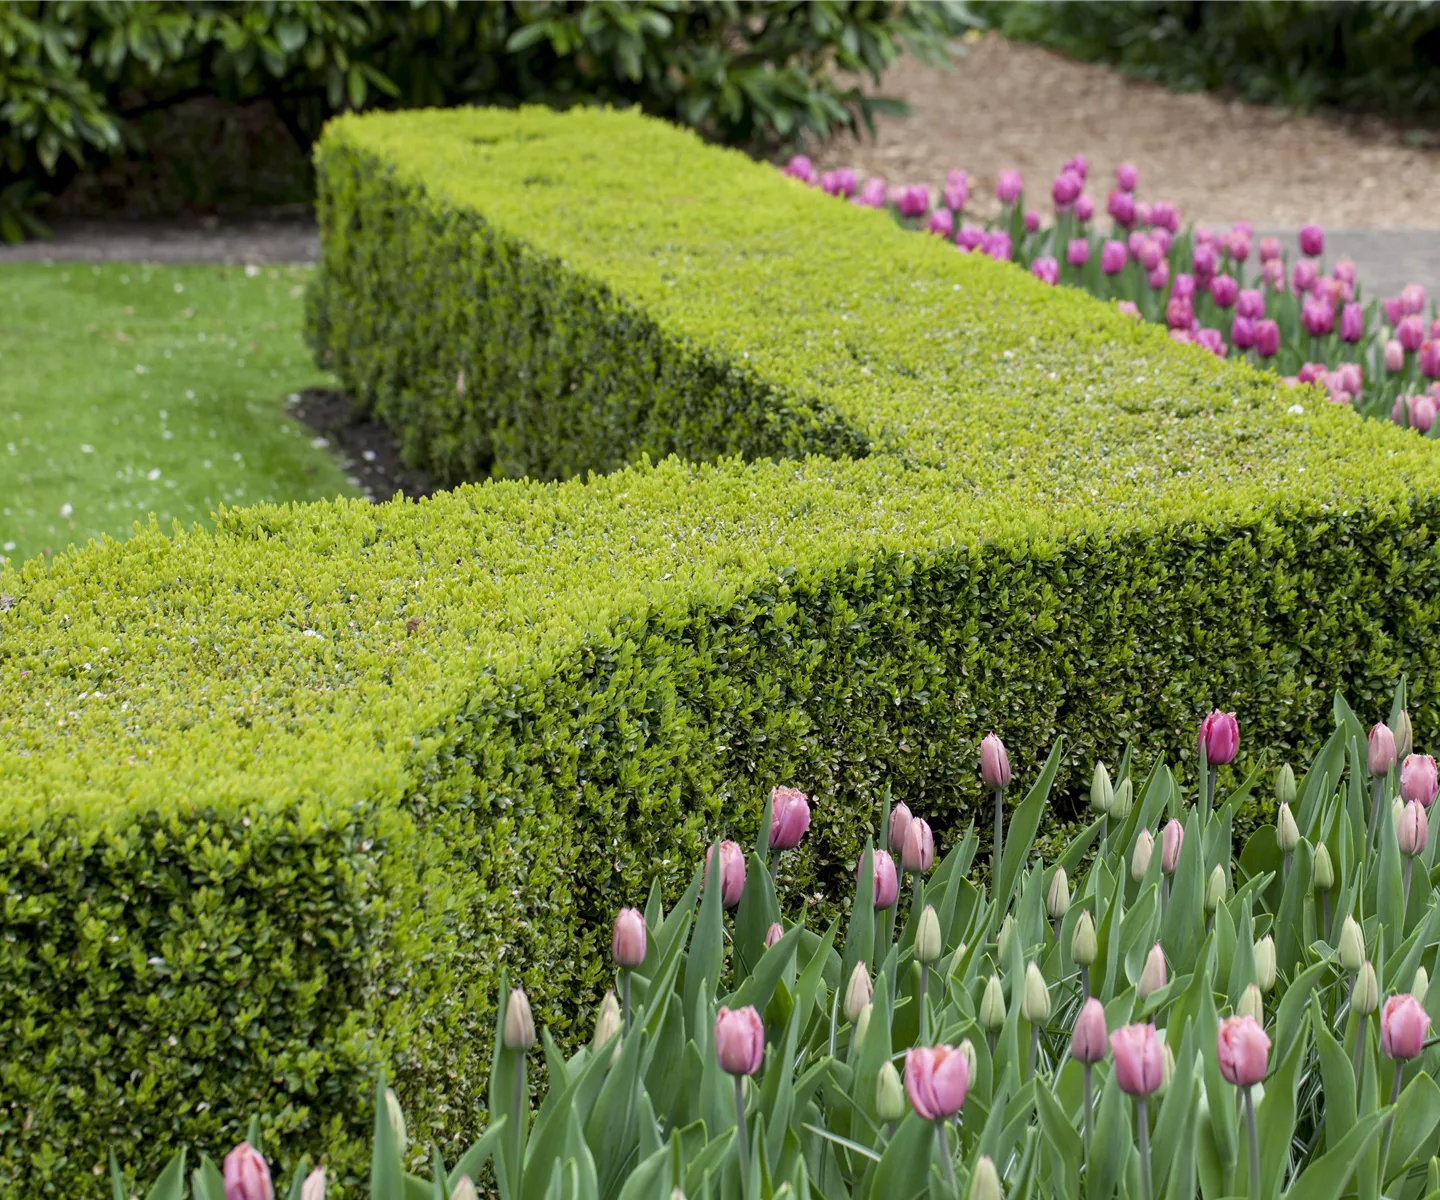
[(130, 390)]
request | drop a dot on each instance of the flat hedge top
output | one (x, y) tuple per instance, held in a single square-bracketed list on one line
[(307, 651)]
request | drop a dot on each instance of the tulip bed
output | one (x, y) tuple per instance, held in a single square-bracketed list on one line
[(294, 793), (1381, 357), (1110, 1020)]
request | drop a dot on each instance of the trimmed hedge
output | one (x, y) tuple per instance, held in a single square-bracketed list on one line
[(295, 791)]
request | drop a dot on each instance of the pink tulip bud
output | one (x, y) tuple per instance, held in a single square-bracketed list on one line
[(314, 1186), (1237, 245), (1179, 312), (1224, 290), (1077, 253), (1267, 338), (789, 817), (1126, 308), (899, 823), (872, 195), (1269, 249), (1382, 748), (919, 853), (1418, 779), (1184, 286), (936, 1080), (1139, 1059), (1121, 207), (1421, 412), (997, 246), (1344, 270), (1065, 189), (739, 1040), (838, 183), (955, 195), (1311, 372), (1410, 333), (1352, 323), (1153, 976), (1242, 333), (1164, 215), (1135, 243), (1009, 186), (1412, 298), (1159, 277), (1089, 1039), (1413, 830), (1032, 220), (732, 872), (1317, 317), (994, 763), (1183, 336), (1305, 276), (1079, 165), (1113, 257), (970, 237), (1273, 272), (1430, 360), (246, 1176), (1403, 1025), (1213, 341), (1203, 259), (774, 934), (1243, 1051), (1350, 377), (1127, 177), (1084, 207), (1312, 241), (887, 882), (800, 168), (1046, 269), (1219, 736), (627, 942), (1170, 842), (1151, 256), (1250, 303), (1143, 215), (942, 222)]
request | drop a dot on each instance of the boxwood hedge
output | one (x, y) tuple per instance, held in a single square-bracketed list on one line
[(278, 802)]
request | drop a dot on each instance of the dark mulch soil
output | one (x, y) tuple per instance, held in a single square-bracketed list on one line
[(368, 451)]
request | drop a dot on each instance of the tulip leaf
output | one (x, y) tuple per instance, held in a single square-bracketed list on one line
[(1290, 1020), (610, 1121), (1389, 893), (170, 1185), (676, 925), (707, 947), (386, 1154), (1020, 829), (206, 1181), (649, 1178), (302, 1169), (1275, 1117), (1220, 1095), (1328, 1176), (1289, 930), (758, 987), (1416, 1115), (473, 1161), (1182, 925), (904, 1168), (1337, 1078), (757, 912), (860, 932), (1174, 1121), (1178, 1168), (1111, 1141), (1064, 1150)]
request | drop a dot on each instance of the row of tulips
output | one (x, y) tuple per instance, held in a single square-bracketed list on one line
[(1116, 1022), (1313, 326)]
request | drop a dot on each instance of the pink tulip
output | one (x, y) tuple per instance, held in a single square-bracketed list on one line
[(1179, 313), (936, 1080), (1421, 412), (872, 195), (1121, 207), (994, 763), (887, 882), (838, 183), (899, 823), (957, 177), (1413, 831), (1183, 336), (1311, 372), (1143, 213), (246, 1176), (627, 941), (732, 872), (1403, 1025), (1412, 298), (1126, 308), (1219, 736), (1349, 377), (1344, 270), (1317, 317), (1164, 215), (1077, 253), (1394, 356), (1079, 165), (1213, 341), (774, 934), (1084, 208), (1243, 1051), (1032, 220), (997, 246), (1250, 303), (1242, 333), (1410, 333), (1305, 276), (1273, 272), (1112, 257), (919, 853), (789, 817), (1159, 277), (1382, 749), (1170, 842), (970, 237), (1135, 243), (1352, 323), (1224, 290), (1009, 186), (1203, 260), (1088, 1039), (1418, 779), (1139, 1059), (1267, 338), (1237, 245), (1269, 249), (1430, 360), (942, 222), (739, 1040), (1046, 269), (1127, 177), (800, 168), (1065, 189), (1184, 286), (1151, 256), (955, 195), (1312, 240)]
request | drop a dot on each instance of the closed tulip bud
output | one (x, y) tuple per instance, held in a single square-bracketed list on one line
[(1352, 945), (396, 1117), (1102, 793), (1219, 738), (1172, 839), (789, 817), (1323, 870), (246, 1176), (1002, 941), (885, 880), (1397, 810), (1154, 976), (1404, 736), (1394, 356), (1382, 749), (899, 823), (1089, 1038), (1265, 963), (519, 1030), (627, 942), (857, 992), (314, 1186), (1287, 833), (1243, 1050), (1035, 1003), (862, 1026), (927, 937), (607, 1022), (967, 1048), (936, 1080), (732, 872), (1403, 1025), (1365, 997), (1057, 898), (1252, 1004), (465, 1190), (1285, 785), (1421, 984), (1083, 943), (1419, 780), (1413, 831), (889, 1093), (1215, 889), (1140, 856), (1124, 800), (739, 1040), (1167, 1070), (919, 853), (994, 763), (992, 1006), (774, 934), (1139, 1059), (956, 959), (985, 1182)]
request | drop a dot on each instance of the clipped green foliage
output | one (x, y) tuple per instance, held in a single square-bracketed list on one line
[(513, 704)]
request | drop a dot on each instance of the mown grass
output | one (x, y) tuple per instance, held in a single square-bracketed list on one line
[(129, 391)]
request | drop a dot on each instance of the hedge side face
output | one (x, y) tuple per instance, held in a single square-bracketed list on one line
[(303, 787)]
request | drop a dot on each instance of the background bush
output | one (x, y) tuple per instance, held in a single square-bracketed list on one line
[(85, 83), (1369, 56)]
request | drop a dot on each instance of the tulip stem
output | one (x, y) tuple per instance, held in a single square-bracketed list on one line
[(1405, 885), (1390, 1120), (924, 1008), (625, 998), (942, 1139), (1142, 1124), (1089, 1108), (1254, 1143), (999, 849), (1285, 865), (521, 1118), (1085, 982), (1034, 1049), (1209, 789), (1377, 790), (1104, 828), (744, 1142), (1359, 1044), (1164, 893)]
